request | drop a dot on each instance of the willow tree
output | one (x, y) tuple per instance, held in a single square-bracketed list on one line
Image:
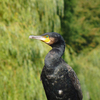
[(21, 61)]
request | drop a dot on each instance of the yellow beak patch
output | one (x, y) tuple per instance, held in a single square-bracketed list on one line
[(47, 40)]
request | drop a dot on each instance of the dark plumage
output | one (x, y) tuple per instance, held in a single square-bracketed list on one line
[(59, 79)]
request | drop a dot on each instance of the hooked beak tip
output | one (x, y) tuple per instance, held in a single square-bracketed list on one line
[(30, 37)]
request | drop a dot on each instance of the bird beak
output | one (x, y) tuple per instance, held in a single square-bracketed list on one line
[(37, 37), (42, 38)]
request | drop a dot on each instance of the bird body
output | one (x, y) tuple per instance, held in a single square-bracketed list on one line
[(59, 79), (60, 83)]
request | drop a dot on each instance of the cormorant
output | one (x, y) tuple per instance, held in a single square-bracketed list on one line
[(59, 79)]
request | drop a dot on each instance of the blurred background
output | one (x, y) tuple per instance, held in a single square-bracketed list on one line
[(22, 59)]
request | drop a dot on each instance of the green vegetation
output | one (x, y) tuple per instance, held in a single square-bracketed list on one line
[(82, 29), (22, 59)]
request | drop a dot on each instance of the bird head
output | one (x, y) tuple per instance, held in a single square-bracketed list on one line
[(49, 38)]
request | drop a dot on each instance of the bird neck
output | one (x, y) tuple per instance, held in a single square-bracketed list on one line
[(54, 55), (60, 47)]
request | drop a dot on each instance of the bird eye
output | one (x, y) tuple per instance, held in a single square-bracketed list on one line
[(47, 36)]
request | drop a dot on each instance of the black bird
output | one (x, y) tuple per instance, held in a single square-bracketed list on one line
[(59, 79)]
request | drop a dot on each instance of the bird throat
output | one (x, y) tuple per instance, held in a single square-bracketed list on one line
[(54, 55)]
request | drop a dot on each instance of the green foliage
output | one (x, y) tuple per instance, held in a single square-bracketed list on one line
[(67, 19), (19, 70), (81, 26), (89, 74), (87, 24), (22, 60), (39, 15)]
